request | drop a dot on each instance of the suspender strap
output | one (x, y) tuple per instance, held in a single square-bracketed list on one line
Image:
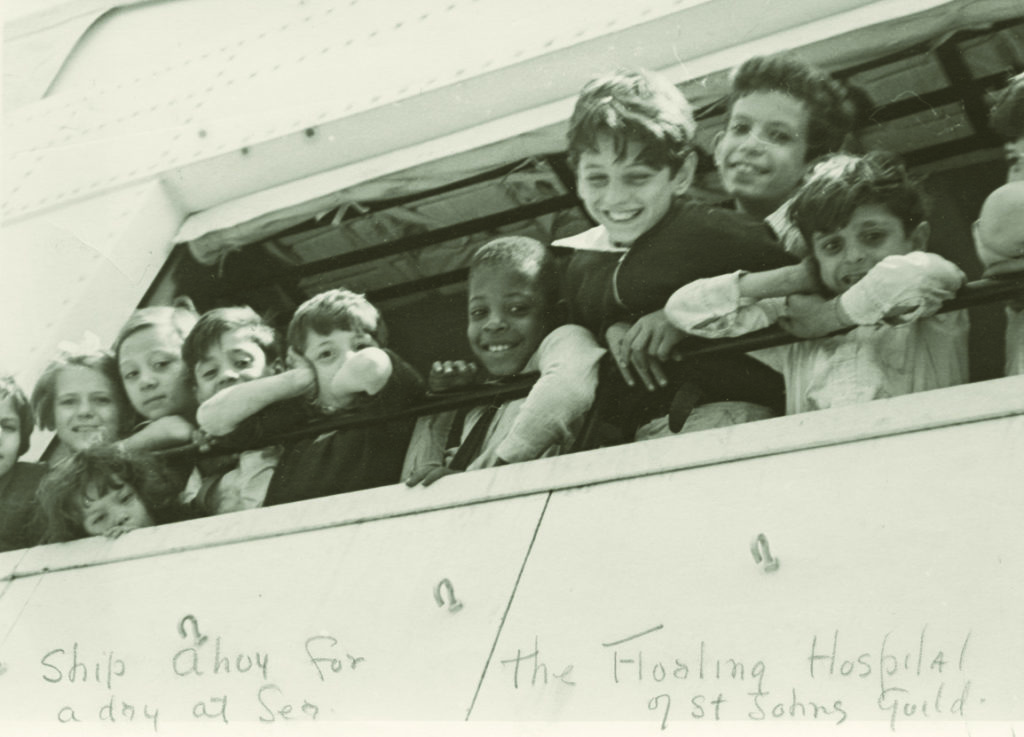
[(474, 443)]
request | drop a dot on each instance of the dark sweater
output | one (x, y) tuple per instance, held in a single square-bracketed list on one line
[(21, 520), (693, 241), (337, 461)]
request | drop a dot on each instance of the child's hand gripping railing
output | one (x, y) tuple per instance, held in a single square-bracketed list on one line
[(983, 291)]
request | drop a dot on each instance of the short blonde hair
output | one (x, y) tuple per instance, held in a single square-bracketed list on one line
[(100, 361)]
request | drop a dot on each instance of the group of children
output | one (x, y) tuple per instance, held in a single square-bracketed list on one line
[(836, 255)]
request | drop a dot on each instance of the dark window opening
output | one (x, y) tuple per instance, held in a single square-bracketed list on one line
[(408, 254)]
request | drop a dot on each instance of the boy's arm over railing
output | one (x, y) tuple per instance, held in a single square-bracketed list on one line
[(228, 408), (983, 291)]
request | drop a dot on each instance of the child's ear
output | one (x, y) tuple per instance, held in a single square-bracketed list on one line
[(684, 177), (714, 145), (919, 236)]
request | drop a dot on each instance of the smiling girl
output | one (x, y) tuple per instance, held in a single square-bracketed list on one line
[(79, 397)]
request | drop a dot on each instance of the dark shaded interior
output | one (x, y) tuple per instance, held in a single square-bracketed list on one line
[(409, 254)]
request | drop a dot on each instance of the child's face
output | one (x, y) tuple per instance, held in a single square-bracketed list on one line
[(85, 408), (507, 319), (873, 233), (1015, 160), (235, 358), (116, 509), (328, 353), (624, 195), (153, 373), (10, 435), (762, 152)]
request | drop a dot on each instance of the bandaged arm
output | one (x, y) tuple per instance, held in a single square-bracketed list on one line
[(735, 304), (567, 358), (228, 408), (898, 289), (901, 289)]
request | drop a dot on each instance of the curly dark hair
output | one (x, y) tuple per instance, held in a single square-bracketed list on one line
[(104, 468), (841, 183), (830, 112)]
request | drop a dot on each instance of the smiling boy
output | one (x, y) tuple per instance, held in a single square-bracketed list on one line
[(783, 114), (630, 144), (338, 366), (762, 152), (513, 328), (228, 346)]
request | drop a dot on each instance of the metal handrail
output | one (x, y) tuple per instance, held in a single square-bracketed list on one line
[(972, 294)]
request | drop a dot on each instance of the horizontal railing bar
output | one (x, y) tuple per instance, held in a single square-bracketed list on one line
[(972, 294), (983, 291)]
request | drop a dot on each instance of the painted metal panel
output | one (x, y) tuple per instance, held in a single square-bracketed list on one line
[(184, 83), (896, 599), (337, 623), (885, 530), (83, 267)]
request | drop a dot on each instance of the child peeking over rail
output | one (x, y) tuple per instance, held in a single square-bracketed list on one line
[(865, 221), (999, 242), (106, 490), (513, 329), (339, 368), (227, 347)]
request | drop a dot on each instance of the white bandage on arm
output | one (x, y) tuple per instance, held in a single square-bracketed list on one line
[(903, 288), (714, 308)]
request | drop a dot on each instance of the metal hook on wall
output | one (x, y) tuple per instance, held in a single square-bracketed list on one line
[(198, 637), (763, 554), (444, 585)]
